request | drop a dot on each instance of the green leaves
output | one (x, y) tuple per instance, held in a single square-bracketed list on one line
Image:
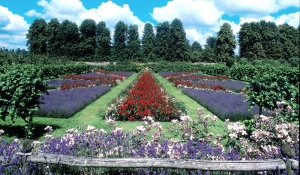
[(225, 44), (148, 41), (19, 95), (37, 37), (266, 90)]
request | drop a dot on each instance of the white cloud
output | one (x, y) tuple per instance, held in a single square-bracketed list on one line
[(196, 35), (190, 12), (291, 19), (13, 29), (254, 8), (75, 11)]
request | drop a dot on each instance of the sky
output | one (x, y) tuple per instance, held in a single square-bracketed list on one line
[(200, 18)]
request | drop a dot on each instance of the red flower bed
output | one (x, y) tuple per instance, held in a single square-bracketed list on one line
[(91, 78), (185, 83), (147, 98), (67, 86)]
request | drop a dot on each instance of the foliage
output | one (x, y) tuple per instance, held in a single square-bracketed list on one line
[(53, 44), (103, 39), (163, 41), (225, 43), (87, 44), (214, 69), (260, 40), (230, 62), (266, 90), (133, 44), (208, 55), (242, 72), (120, 38), (211, 42), (20, 92), (37, 37), (148, 42), (69, 39), (179, 45)]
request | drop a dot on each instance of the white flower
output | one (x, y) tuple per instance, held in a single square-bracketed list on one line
[(233, 135), (1, 131), (48, 128), (140, 128), (90, 128), (174, 121)]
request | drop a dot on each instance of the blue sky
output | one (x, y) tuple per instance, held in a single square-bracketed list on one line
[(201, 18)]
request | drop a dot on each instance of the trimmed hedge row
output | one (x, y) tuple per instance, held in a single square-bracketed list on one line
[(49, 71)]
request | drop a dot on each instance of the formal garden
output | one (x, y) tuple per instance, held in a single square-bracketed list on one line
[(146, 111), (79, 103)]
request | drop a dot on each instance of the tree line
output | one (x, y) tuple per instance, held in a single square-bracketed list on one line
[(94, 42)]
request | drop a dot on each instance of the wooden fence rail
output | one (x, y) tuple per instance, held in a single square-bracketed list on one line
[(257, 165)]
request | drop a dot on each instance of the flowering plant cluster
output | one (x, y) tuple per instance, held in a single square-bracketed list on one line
[(89, 81), (68, 86), (197, 142), (97, 78), (185, 84), (198, 81), (64, 104), (118, 74), (263, 135), (146, 98), (193, 76)]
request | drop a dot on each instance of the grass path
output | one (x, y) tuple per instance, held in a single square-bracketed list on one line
[(94, 112)]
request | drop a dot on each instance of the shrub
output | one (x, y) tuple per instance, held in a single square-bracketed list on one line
[(230, 62)]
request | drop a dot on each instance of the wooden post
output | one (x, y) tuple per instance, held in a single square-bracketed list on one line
[(24, 160)]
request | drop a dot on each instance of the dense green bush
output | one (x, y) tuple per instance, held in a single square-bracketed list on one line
[(20, 91), (214, 69), (266, 90), (242, 72), (230, 62)]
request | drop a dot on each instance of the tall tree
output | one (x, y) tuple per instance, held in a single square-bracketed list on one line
[(196, 46), (133, 44), (179, 46), (225, 43), (53, 37), (163, 41), (103, 39), (208, 54), (120, 38), (211, 42), (270, 37), (87, 38), (37, 37), (148, 42), (289, 38), (69, 38), (249, 35), (195, 52)]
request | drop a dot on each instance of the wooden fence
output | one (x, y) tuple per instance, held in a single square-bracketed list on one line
[(256, 165)]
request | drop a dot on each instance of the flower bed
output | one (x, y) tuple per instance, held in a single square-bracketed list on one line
[(224, 105), (219, 83), (64, 104), (146, 98), (88, 79)]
